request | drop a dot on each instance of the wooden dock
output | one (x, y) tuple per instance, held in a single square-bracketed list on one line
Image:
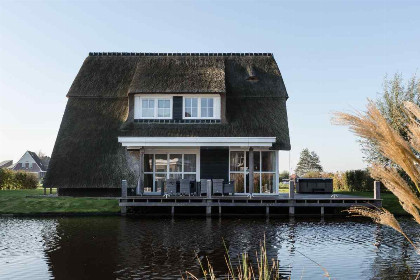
[(270, 204)]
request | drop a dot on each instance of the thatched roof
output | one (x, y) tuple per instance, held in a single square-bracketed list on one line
[(185, 74), (87, 153)]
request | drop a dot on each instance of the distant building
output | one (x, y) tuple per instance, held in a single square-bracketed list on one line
[(30, 162), (6, 163)]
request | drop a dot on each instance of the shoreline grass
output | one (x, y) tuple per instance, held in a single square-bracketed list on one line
[(31, 202)]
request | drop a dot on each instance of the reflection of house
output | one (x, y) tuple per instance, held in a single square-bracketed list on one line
[(30, 162), (6, 163), (194, 116)]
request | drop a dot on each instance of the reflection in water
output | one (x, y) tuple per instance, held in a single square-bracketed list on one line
[(127, 248)]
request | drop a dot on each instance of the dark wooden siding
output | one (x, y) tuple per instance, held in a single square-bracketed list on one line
[(214, 163), (177, 108)]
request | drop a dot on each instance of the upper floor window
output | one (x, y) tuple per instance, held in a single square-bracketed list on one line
[(201, 108), (153, 108), (191, 108)]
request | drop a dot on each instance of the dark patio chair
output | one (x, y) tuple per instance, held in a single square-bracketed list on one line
[(171, 186), (185, 187), (218, 186), (203, 186), (229, 188)]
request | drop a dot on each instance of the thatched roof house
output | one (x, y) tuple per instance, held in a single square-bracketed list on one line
[(168, 109)]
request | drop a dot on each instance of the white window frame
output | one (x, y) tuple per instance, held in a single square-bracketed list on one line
[(138, 108), (169, 152), (216, 107), (257, 173)]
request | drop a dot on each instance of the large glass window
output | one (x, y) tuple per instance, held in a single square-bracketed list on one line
[(237, 161), (190, 163), (159, 167), (207, 107), (264, 171), (191, 107), (175, 163), (148, 108)]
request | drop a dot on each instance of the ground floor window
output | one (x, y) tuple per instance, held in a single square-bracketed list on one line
[(161, 166), (264, 171)]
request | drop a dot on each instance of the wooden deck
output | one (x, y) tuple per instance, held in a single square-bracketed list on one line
[(269, 202)]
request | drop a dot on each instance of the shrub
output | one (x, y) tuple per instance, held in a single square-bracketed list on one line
[(11, 180), (353, 180)]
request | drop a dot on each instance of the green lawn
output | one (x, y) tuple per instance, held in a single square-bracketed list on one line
[(389, 201), (18, 202)]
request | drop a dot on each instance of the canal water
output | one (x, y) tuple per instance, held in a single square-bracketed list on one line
[(129, 248)]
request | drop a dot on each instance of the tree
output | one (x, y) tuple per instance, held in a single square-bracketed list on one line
[(284, 175), (308, 162), (391, 106)]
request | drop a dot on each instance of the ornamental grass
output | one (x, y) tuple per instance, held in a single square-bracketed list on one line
[(403, 156)]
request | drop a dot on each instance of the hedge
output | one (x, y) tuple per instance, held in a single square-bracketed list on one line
[(353, 180), (12, 180)]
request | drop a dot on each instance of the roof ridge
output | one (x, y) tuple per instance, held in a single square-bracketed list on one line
[(175, 54)]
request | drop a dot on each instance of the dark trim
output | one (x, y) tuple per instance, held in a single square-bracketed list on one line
[(214, 163), (177, 121), (175, 54), (177, 108)]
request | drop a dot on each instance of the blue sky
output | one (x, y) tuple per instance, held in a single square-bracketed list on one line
[(333, 55)]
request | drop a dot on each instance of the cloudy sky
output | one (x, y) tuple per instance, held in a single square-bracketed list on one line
[(333, 55)]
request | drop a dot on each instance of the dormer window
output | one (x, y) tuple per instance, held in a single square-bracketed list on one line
[(177, 107)]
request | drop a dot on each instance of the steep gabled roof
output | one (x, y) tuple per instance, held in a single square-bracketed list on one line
[(6, 163), (37, 160), (112, 75), (87, 153)]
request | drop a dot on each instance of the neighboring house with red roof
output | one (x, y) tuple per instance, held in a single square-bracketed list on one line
[(30, 162)]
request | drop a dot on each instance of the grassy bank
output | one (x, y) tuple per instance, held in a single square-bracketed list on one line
[(30, 202), (27, 202), (389, 201)]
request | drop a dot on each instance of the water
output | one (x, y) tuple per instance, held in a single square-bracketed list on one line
[(128, 248)]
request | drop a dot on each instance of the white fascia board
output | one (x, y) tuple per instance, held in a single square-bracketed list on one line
[(196, 141)]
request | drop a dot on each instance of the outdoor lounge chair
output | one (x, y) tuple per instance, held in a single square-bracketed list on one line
[(185, 187), (171, 186), (203, 186), (218, 186), (229, 188)]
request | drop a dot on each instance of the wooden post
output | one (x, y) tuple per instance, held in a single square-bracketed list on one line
[(172, 211), (140, 184), (50, 190), (291, 210), (123, 195), (291, 189), (208, 188), (322, 211), (208, 211), (220, 211), (251, 170), (377, 190), (267, 211), (124, 188), (123, 210), (45, 191)]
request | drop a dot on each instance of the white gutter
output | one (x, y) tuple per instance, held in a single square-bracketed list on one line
[(196, 141)]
